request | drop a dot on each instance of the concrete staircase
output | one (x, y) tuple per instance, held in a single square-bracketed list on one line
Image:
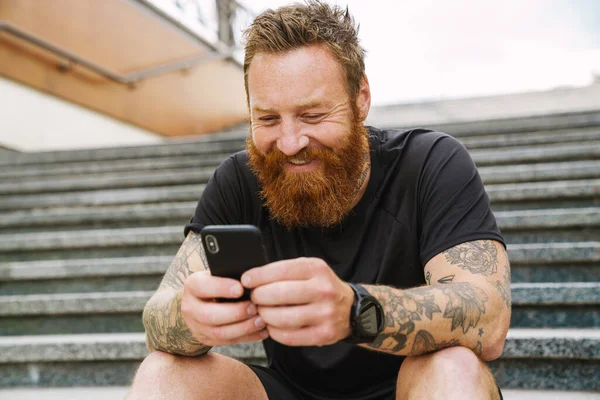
[(85, 237)]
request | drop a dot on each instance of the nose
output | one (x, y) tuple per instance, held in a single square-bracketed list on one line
[(291, 139)]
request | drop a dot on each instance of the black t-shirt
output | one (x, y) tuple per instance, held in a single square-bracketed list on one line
[(423, 197)]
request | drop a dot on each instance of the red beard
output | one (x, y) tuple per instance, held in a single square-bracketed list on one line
[(319, 198)]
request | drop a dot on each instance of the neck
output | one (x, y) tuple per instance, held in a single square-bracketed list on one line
[(363, 181)]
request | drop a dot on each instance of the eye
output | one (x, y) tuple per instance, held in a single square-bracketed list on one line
[(268, 118), (312, 116)]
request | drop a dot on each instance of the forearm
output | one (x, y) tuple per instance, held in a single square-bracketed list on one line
[(165, 328), (425, 319)]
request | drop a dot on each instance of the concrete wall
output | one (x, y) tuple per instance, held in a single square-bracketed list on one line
[(556, 101), (34, 121)]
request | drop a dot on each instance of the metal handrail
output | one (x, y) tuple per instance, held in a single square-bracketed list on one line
[(125, 79)]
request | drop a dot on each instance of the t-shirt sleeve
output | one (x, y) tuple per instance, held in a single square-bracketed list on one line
[(222, 199), (453, 205)]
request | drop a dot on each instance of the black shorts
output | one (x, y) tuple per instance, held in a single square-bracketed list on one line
[(277, 388)]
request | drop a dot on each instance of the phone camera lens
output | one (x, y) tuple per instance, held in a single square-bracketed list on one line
[(211, 244)]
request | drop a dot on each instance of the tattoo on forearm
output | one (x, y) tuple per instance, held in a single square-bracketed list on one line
[(446, 279), (465, 305), (425, 343), (503, 286), (479, 257), (180, 267), (401, 311), (392, 342), (166, 330)]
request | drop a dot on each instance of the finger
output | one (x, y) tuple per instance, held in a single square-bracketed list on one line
[(283, 293), (237, 330), (320, 335), (285, 270), (255, 337), (205, 286), (215, 314), (294, 317)]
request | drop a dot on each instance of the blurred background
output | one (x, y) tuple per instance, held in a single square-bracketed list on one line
[(136, 71)]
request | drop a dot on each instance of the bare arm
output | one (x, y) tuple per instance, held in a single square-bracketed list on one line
[(162, 318), (466, 303)]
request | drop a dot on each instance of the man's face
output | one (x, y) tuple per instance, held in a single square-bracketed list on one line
[(308, 146)]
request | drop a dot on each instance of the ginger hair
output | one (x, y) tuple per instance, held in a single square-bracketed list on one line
[(315, 22)]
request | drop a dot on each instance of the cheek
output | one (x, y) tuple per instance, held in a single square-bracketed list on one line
[(262, 141), (331, 135)]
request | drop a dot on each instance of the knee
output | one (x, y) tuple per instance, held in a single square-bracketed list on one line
[(155, 365), (455, 370), (453, 361)]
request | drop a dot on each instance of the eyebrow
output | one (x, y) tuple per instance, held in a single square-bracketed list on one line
[(308, 104)]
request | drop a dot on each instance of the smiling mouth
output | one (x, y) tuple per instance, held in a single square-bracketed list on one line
[(299, 162)]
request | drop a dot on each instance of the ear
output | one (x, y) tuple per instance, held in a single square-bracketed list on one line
[(363, 99)]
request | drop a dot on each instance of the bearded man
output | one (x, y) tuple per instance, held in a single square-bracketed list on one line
[(389, 277)]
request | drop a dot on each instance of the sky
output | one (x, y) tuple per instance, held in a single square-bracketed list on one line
[(423, 50)]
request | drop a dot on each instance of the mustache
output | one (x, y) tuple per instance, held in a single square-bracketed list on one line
[(277, 157)]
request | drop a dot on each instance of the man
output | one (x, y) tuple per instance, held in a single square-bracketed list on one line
[(401, 213)]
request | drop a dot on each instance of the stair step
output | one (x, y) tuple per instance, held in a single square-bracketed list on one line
[(12, 244), (496, 174), (523, 294), (102, 238), (179, 213), (145, 272), (540, 172), (176, 149), (85, 275), (210, 161), (544, 192), (520, 125), (574, 305), (548, 218), (59, 170), (530, 138), (554, 253), (526, 294), (554, 305), (56, 269), (104, 197), (586, 191), (534, 154), (129, 215), (108, 181), (540, 356)]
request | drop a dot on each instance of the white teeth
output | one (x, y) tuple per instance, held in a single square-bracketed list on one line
[(299, 162)]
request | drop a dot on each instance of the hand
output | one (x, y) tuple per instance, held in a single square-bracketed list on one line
[(302, 301), (218, 324)]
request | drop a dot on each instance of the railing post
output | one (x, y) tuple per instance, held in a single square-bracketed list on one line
[(226, 10)]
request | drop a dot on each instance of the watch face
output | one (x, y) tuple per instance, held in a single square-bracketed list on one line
[(368, 319)]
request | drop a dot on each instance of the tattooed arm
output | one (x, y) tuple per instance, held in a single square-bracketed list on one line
[(165, 327), (466, 303)]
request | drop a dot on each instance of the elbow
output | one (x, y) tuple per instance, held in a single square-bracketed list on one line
[(494, 346), (493, 351)]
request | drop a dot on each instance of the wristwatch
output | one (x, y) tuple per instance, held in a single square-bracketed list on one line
[(366, 316)]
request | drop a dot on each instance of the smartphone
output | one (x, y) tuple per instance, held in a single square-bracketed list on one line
[(233, 249)]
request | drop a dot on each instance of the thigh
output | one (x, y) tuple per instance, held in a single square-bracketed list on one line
[(210, 376)]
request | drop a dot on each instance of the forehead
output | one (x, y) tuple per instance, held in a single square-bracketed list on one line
[(304, 74)]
